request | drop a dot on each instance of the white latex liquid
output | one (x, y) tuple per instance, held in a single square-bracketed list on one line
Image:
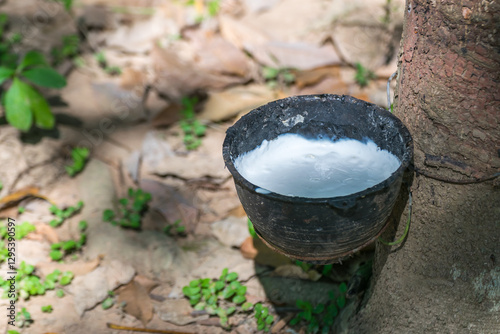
[(292, 165)]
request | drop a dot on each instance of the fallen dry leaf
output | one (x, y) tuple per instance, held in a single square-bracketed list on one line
[(237, 212), (223, 105), (177, 77), (48, 232), (312, 77), (247, 249), (297, 55), (78, 268), (19, 195), (137, 301), (218, 55)]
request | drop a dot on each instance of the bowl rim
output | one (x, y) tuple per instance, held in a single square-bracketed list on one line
[(239, 179)]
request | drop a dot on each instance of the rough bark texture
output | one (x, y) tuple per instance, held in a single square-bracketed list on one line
[(446, 277)]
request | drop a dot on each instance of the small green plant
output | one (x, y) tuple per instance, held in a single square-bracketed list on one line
[(103, 63), (130, 211), (1, 185), (28, 284), (214, 295), (63, 214), (175, 229), (207, 9), (60, 293), (278, 77), (213, 7), (11, 331), (79, 156), (21, 209), (23, 103), (23, 229), (325, 270), (68, 50), (47, 309), (363, 75), (63, 248), (23, 318), (109, 301), (321, 317), (68, 4), (192, 128), (264, 319)]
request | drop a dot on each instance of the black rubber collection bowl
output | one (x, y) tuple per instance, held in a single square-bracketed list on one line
[(319, 230)]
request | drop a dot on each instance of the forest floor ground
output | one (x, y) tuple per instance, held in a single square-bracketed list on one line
[(140, 67)]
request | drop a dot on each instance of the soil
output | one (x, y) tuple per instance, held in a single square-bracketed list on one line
[(443, 278)]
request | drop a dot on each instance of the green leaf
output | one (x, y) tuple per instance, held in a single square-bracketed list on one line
[(241, 290), (194, 283), (231, 277), (246, 306), (228, 293), (56, 255), (239, 299), (44, 118), (45, 77), (332, 310), (17, 105), (270, 73), (47, 308), (107, 303), (5, 73), (32, 58), (66, 278), (343, 287), (60, 293), (108, 215), (82, 225), (269, 319), (295, 320), (123, 201), (219, 285), (69, 245), (319, 308), (341, 301)]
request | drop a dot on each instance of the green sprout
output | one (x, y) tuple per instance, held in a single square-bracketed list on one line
[(264, 319), (23, 318), (109, 301), (221, 297), (103, 63), (23, 103), (175, 229), (23, 229), (322, 316), (29, 284), (68, 50), (63, 248), (278, 77), (63, 214), (47, 309), (79, 156), (193, 129), (131, 210), (363, 75)]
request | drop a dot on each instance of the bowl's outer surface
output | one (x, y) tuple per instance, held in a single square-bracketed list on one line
[(319, 230)]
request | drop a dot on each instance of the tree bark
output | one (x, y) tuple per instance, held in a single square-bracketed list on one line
[(445, 278)]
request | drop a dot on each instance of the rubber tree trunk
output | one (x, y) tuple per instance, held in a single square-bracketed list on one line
[(445, 278)]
